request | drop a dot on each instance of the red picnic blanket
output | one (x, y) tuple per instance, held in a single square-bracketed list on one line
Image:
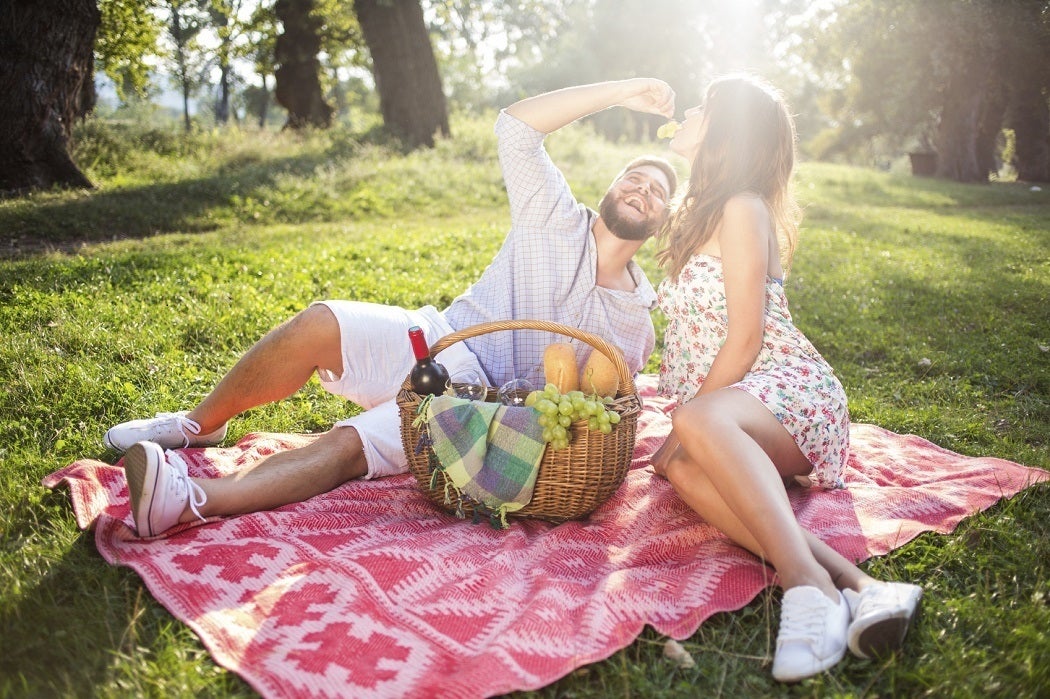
[(371, 591)]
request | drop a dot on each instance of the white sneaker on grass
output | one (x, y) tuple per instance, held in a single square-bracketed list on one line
[(812, 635), (881, 614), (159, 488), (169, 430)]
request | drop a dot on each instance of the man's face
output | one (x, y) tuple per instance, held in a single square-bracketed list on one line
[(635, 206)]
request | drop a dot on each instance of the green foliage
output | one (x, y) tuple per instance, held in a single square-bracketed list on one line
[(901, 66), (341, 38), (476, 43), (931, 300), (127, 36)]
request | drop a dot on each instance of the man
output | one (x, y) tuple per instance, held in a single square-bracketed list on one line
[(560, 261)]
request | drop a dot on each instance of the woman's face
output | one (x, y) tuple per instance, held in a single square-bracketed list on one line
[(687, 139)]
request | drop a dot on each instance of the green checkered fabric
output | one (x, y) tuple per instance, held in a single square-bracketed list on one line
[(490, 452)]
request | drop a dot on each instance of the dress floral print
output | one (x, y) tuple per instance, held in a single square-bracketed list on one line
[(789, 376)]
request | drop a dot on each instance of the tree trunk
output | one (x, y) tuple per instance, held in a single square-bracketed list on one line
[(180, 36), (990, 124), (221, 19), (957, 134), (47, 81), (406, 74), (222, 104), (297, 83), (187, 125), (264, 106), (1030, 120)]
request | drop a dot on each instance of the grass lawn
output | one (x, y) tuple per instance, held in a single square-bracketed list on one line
[(931, 299)]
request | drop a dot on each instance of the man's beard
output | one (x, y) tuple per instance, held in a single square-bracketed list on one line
[(620, 226)]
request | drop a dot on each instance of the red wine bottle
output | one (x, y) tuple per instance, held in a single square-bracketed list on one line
[(427, 376)]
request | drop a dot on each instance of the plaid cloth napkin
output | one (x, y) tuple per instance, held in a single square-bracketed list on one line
[(490, 452)]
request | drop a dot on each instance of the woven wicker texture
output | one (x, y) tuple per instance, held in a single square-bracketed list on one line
[(571, 482)]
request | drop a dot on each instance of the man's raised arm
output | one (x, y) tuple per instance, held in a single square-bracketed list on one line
[(552, 110)]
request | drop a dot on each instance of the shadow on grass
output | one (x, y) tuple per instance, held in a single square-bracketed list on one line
[(37, 638), (835, 184), (43, 654), (957, 321), (185, 206)]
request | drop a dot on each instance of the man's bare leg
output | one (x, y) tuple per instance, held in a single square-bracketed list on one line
[(285, 477), (274, 368)]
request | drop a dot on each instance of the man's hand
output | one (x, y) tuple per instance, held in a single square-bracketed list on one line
[(663, 455), (652, 96)]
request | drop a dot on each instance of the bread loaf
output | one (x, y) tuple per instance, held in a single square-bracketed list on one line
[(599, 376), (559, 367)]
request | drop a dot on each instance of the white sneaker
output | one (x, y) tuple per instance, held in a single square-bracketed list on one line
[(169, 430), (812, 635), (881, 614), (159, 488)]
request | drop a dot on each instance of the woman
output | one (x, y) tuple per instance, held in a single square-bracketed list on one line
[(758, 407)]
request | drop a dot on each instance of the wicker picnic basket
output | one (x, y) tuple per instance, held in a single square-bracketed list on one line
[(571, 482)]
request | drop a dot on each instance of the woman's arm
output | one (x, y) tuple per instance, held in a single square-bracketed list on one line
[(552, 110), (744, 242), (744, 248)]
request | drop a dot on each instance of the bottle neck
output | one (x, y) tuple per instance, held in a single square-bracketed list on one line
[(419, 343)]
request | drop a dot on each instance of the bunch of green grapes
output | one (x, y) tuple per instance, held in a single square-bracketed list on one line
[(558, 411)]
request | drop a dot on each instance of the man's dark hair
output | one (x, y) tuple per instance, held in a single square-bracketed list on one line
[(657, 162)]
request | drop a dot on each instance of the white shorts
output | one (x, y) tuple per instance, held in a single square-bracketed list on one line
[(377, 357)]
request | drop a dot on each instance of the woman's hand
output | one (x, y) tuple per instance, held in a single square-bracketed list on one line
[(663, 455)]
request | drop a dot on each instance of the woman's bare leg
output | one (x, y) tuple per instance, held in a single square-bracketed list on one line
[(746, 454), (697, 491)]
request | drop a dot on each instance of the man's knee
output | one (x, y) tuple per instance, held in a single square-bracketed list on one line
[(316, 330), (315, 321), (344, 447)]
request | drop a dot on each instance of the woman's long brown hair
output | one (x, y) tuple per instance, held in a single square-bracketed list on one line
[(747, 145)]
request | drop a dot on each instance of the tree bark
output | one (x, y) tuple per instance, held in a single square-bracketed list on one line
[(406, 74), (264, 102), (957, 135), (47, 81), (181, 33), (297, 82), (1030, 120), (990, 124), (222, 104)]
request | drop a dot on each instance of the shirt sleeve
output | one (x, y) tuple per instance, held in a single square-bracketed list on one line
[(538, 193)]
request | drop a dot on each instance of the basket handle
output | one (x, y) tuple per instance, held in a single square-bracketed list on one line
[(596, 341)]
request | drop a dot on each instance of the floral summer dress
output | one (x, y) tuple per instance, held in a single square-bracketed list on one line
[(789, 376)]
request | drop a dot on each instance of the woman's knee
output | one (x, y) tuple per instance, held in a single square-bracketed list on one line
[(699, 422), (692, 483), (680, 470), (707, 422)]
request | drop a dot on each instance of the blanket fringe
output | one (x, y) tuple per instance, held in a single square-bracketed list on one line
[(497, 517)]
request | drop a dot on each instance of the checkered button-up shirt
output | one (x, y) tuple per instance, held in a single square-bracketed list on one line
[(546, 270)]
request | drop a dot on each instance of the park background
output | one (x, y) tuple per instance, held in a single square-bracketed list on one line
[(180, 176)]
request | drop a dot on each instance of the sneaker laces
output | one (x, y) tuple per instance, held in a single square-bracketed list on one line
[(801, 622), (196, 495), (184, 424)]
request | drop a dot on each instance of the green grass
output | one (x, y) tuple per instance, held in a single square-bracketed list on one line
[(931, 299)]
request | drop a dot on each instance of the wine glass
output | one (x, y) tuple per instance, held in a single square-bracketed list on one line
[(515, 391), (468, 384)]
